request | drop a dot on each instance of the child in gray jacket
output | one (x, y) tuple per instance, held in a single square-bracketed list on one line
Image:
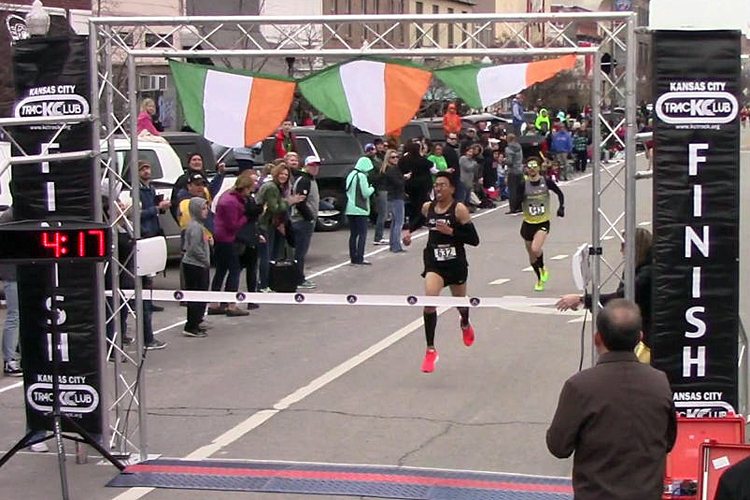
[(196, 263)]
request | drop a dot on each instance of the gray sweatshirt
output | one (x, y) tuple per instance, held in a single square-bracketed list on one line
[(195, 244), (514, 158), (469, 169)]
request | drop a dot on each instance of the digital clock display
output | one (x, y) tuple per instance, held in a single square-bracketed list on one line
[(58, 244)]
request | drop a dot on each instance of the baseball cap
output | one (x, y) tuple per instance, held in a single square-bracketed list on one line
[(312, 160), (369, 147), (196, 177)]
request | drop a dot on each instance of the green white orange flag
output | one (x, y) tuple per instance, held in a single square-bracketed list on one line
[(375, 96), (229, 107), (482, 86)]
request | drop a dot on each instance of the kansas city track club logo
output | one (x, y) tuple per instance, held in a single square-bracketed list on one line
[(51, 101), (679, 108)]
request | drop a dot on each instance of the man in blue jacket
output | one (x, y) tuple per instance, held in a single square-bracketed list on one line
[(150, 210), (518, 113), (562, 145)]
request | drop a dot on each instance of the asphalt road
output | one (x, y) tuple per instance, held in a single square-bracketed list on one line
[(343, 384)]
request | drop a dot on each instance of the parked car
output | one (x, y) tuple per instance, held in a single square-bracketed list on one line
[(187, 143), (166, 168), (431, 128), (338, 152), (489, 118)]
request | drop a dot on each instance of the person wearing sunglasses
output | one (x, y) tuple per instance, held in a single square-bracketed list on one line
[(395, 180), (536, 207)]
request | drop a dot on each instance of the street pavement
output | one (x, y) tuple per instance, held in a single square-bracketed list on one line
[(343, 384)]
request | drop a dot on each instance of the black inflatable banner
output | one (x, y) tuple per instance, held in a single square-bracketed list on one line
[(52, 79), (696, 217)]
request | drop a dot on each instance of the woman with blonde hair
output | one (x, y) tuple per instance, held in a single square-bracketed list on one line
[(275, 199), (394, 182), (230, 217), (145, 118)]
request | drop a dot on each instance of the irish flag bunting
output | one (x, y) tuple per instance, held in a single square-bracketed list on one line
[(483, 86), (376, 96), (231, 108)]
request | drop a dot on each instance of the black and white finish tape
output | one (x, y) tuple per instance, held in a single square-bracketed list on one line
[(331, 299)]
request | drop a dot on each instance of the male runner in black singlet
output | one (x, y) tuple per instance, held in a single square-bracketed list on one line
[(444, 257), (536, 207)]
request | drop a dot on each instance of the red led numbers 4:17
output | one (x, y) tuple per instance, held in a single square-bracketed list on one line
[(86, 243)]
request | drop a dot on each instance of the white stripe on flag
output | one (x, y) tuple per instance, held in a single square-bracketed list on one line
[(225, 100), (498, 82), (364, 86)]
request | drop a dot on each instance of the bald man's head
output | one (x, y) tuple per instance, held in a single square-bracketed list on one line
[(619, 325)]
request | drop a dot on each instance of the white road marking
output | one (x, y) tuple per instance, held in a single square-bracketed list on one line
[(179, 323), (499, 281), (610, 237), (12, 386), (559, 257), (645, 223), (527, 269), (262, 416)]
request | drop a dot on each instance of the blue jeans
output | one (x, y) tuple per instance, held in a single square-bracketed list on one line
[(396, 209), (227, 261), (10, 329), (303, 232), (357, 237), (381, 205)]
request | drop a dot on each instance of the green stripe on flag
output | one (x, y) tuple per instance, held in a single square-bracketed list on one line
[(190, 80), (463, 81), (325, 92)]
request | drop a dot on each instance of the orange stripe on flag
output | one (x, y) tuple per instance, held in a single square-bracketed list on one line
[(542, 70), (404, 89), (269, 105)]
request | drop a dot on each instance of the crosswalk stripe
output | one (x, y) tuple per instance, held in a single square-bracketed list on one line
[(559, 257), (499, 281)]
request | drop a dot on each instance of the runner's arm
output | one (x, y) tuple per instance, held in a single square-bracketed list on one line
[(560, 196), (465, 233)]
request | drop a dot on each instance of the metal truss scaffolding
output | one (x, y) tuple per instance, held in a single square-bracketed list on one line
[(120, 45)]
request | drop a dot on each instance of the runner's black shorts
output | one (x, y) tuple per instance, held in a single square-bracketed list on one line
[(528, 230), (453, 275)]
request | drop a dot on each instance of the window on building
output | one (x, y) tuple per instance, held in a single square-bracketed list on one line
[(154, 40), (465, 28), (364, 6), (377, 6), (419, 9), (451, 42), (436, 26), (349, 25)]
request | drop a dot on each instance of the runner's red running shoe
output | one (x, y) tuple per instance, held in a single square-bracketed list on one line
[(430, 358), (468, 334)]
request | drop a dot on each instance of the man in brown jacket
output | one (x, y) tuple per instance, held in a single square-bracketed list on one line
[(617, 416)]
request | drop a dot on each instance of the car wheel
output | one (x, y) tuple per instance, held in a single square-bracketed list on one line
[(335, 221)]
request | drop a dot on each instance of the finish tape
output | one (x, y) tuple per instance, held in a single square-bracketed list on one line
[(331, 299)]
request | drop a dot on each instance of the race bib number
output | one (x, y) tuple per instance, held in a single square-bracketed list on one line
[(445, 253), (536, 210)]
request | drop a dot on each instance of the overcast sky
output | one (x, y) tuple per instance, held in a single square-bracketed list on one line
[(701, 14)]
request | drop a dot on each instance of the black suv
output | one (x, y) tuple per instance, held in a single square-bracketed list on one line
[(338, 152)]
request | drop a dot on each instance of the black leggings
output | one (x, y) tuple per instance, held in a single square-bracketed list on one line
[(196, 278)]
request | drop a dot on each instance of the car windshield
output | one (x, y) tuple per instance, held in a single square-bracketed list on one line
[(341, 149)]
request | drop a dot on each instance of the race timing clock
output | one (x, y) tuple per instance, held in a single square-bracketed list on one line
[(31, 242)]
